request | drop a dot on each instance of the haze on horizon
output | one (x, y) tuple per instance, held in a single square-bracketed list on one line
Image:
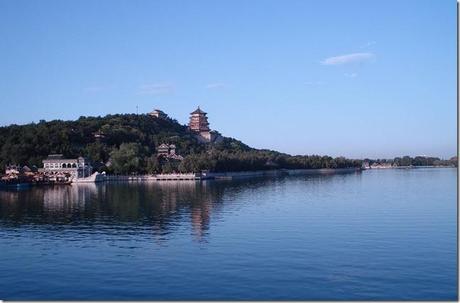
[(343, 78)]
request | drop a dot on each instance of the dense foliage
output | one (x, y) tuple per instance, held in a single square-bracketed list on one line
[(98, 138), (416, 161), (126, 144), (221, 160)]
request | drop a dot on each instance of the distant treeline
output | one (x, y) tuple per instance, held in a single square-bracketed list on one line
[(126, 144), (218, 158), (416, 161)]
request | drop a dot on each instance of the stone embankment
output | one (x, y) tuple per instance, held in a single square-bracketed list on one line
[(229, 175)]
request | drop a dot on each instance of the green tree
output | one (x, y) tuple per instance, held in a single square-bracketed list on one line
[(126, 159), (153, 165), (97, 152)]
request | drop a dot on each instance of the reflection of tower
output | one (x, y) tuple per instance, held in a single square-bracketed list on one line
[(201, 213), (169, 204), (167, 200), (200, 221)]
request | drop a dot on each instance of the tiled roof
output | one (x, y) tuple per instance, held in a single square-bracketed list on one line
[(198, 111), (55, 157)]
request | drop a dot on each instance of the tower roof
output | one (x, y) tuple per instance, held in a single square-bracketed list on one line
[(198, 111)]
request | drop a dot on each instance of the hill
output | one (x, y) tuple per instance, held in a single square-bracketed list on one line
[(127, 143)]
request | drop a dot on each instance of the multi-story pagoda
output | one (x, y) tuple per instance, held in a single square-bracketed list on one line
[(198, 121), (200, 126)]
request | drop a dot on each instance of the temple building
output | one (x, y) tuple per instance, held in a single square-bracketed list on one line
[(200, 126), (168, 151), (158, 114), (198, 121), (56, 167)]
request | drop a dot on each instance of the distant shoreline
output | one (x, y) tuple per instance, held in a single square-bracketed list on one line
[(412, 167)]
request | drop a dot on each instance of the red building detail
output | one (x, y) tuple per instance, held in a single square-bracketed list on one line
[(198, 121)]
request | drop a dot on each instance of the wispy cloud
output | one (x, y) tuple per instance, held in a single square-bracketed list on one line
[(349, 58), (351, 75), (156, 89), (216, 85), (314, 83)]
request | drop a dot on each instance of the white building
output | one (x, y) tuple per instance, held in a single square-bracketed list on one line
[(158, 114), (58, 168)]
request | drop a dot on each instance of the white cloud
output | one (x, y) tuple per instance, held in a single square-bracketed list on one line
[(156, 89), (351, 75), (216, 85), (349, 58)]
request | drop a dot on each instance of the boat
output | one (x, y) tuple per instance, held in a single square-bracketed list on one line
[(95, 177)]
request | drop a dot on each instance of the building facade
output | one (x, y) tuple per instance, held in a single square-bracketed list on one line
[(60, 169), (158, 114), (168, 151), (199, 125), (198, 121)]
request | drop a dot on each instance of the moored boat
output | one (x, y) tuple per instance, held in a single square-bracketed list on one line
[(95, 177)]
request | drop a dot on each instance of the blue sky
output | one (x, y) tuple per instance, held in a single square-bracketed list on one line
[(352, 78)]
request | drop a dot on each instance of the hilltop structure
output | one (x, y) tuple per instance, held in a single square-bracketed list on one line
[(199, 125), (198, 121), (158, 114)]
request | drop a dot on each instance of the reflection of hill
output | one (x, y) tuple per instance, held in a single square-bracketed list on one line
[(162, 205)]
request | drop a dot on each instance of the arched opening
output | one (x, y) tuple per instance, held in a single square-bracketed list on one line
[(64, 165), (74, 165)]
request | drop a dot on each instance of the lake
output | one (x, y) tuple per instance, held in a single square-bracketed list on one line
[(376, 235)]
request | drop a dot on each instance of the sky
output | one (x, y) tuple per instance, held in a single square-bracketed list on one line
[(341, 78)]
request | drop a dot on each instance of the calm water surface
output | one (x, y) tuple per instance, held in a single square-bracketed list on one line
[(386, 235)]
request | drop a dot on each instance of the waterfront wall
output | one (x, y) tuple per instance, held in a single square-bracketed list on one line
[(229, 175), (133, 178), (166, 177), (159, 177)]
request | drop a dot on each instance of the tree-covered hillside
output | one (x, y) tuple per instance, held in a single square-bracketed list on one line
[(128, 144)]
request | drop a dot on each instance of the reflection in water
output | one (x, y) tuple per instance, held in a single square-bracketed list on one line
[(380, 235), (160, 205), (66, 199)]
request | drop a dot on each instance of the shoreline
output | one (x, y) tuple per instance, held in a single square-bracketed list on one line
[(214, 175), (248, 174), (228, 175)]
